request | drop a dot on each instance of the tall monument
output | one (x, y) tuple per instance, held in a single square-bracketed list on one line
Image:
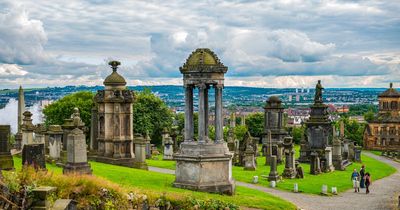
[(115, 118), (21, 110), (205, 164)]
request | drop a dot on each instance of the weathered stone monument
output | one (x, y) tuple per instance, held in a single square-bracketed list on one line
[(6, 160), (21, 110), (319, 132), (231, 133), (168, 147), (273, 114), (94, 129), (140, 151), (248, 141), (357, 153), (337, 159), (205, 164), (67, 127), (32, 148), (115, 127), (249, 158), (76, 149), (328, 160), (299, 170), (55, 134), (289, 172), (273, 173)]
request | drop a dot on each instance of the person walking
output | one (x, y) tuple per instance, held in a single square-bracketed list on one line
[(355, 177), (362, 174), (368, 181)]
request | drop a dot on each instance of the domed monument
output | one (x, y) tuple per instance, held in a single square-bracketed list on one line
[(204, 164), (115, 129)]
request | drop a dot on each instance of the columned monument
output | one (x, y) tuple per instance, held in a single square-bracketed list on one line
[(115, 118), (205, 164)]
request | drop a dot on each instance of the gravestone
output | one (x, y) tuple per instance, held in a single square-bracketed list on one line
[(337, 159), (357, 154), (351, 151), (76, 149), (328, 158), (55, 134), (140, 151), (32, 150), (346, 149), (148, 151), (6, 160), (249, 159), (299, 171), (168, 147), (315, 166), (273, 174), (289, 171)]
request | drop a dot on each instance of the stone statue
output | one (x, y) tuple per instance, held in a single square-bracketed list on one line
[(318, 92)]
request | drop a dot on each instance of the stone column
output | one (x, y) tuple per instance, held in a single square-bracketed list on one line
[(189, 129), (140, 151), (273, 174), (219, 133), (202, 130), (206, 112), (94, 129), (21, 108), (337, 155)]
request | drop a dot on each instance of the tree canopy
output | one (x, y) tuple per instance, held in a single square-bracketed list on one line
[(56, 112), (151, 114), (255, 124)]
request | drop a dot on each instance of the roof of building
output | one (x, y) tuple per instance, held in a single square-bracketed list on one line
[(114, 78), (391, 92)]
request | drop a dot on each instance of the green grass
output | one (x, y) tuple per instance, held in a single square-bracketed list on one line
[(157, 161), (375, 152), (157, 183), (311, 183)]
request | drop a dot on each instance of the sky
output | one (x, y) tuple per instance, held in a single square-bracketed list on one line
[(287, 43)]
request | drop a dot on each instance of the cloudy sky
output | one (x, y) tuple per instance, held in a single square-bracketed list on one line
[(287, 43)]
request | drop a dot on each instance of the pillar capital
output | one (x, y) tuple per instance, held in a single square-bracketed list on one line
[(201, 86), (218, 86)]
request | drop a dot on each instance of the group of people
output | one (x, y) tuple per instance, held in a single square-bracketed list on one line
[(361, 179)]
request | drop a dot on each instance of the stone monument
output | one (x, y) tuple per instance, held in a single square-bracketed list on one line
[(94, 129), (249, 159), (328, 160), (168, 147), (289, 172), (140, 151), (32, 149), (273, 116), (115, 127), (205, 164), (337, 159), (6, 160), (273, 173), (76, 149), (315, 166), (357, 154), (21, 110), (55, 134)]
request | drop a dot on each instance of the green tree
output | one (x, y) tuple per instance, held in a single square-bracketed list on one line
[(56, 112), (297, 133), (368, 116), (180, 119), (354, 130), (255, 124), (240, 131), (151, 114)]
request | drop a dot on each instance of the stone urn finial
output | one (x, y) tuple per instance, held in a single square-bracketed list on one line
[(114, 65)]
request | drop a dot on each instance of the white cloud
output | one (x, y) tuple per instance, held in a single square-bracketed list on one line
[(8, 70)]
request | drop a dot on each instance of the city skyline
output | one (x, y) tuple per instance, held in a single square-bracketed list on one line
[(280, 44)]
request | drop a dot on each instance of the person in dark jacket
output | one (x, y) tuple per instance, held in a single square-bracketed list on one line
[(362, 174), (368, 181)]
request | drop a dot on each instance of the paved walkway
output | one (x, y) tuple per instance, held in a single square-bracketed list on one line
[(383, 194)]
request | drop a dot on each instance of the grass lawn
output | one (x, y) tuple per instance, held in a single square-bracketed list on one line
[(311, 183), (156, 184), (375, 152)]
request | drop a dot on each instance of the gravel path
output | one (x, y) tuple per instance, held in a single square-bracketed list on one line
[(384, 193)]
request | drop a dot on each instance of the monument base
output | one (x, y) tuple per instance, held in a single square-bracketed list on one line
[(204, 167), (140, 165), (128, 162), (6, 162), (289, 173), (77, 168)]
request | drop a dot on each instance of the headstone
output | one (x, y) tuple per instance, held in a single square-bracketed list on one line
[(268, 148), (41, 197), (346, 149), (273, 174), (315, 167), (6, 160), (32, 149), (351, 151), (168, 147), (295, 188), (140, 152), (289, 172), (334, 190), (76, 149), (357, 154), (249, 159), (337, 159), (328, 158), (272, 184), (299, 171), (55, 134), (255, 180), (324, 190)]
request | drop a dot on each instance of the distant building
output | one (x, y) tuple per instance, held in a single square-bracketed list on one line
[(342, 109), (383, 132), (297, 115)]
